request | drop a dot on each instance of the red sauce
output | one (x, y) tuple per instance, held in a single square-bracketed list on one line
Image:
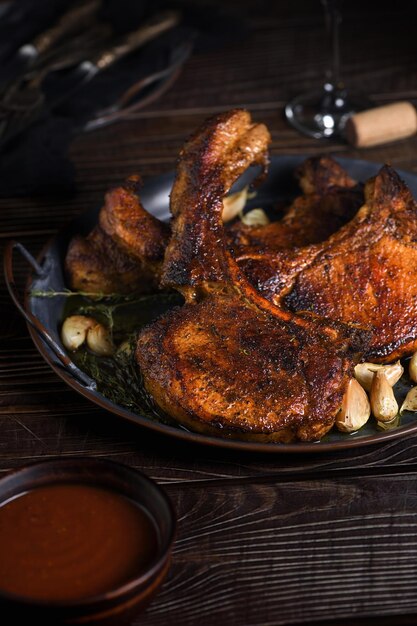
[(66, 542)]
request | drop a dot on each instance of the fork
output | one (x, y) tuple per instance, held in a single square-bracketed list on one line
[(61, 57), (29, 55), (23, 99)]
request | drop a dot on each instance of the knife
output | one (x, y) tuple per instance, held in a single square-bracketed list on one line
[(27, 55), (15, 118)]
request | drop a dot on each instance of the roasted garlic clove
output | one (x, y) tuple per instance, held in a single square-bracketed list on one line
[(393, 372), (255, 217), (125, 348), (99, 340), (355, 410), (412, 368), (410, 402), (78, 329), (74, 330), (383, 403), (233, 204), (394, 423), (364, 373)]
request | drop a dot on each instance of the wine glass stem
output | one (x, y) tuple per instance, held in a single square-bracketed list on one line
[(336, 48), (333, 18)]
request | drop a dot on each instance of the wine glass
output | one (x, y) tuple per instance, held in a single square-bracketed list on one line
[(324, 112)]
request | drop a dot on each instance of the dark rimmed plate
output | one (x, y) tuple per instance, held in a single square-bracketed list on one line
[(155, 196)]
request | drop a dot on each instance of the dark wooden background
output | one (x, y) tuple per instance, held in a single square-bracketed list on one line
[(270, 540)]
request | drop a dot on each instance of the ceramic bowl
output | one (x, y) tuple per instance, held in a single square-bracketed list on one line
[(118, 605)]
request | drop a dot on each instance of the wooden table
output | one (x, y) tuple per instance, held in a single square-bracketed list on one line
[(262, 540)]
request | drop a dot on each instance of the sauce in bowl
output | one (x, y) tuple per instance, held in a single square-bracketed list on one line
[(66, 542)]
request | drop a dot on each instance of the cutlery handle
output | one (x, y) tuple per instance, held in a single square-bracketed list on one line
[(75, 18), (31, 319), (151, 29)]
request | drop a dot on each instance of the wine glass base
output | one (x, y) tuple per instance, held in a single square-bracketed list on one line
[(323, 114)]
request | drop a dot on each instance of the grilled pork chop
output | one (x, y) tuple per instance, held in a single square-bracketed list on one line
[(97, 265), (363, 274), (125, 252), (330, 199), (229, 362)]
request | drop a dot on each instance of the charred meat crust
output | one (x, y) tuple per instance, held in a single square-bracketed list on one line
[(330, 199), (365, 273), (96, 264), (136, 231), (210, 162), (320, 174), (124, 253), (222, 368)]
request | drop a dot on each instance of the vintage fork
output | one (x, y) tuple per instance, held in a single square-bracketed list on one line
[(64, 56), (28, 56), (24, 98)]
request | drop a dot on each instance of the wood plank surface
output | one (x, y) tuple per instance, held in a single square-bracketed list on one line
[(259, 556), (262, 540)]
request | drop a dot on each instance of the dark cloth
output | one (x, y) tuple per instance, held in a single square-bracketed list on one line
[(37, 162)]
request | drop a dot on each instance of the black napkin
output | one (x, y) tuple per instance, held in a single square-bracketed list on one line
[(37, 162)]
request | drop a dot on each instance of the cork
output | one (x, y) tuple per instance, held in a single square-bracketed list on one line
[(381, 125)]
